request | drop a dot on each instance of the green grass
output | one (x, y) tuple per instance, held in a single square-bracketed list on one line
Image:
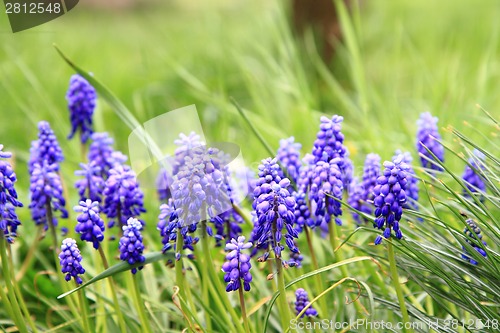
[(399, 58)]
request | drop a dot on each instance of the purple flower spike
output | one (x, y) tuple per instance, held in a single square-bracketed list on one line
[(275, 209), (70, 260), (131, 246), (428, 136), (237, 267), (91, 185), (101, 153), (81, 97), (124, 198), (289, 158), (302, 213), (474, 239), (46, 148), (412, 186), (90, 225), (46, 189), (9, 221), (472, 176), (329, 142), (390, 196), (361, 193), (301, 302)]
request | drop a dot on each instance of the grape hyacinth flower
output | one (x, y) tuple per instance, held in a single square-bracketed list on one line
[(302, 213), (428, 136), (390, 196), (326, 181), (168, 225), (131, 246), (46, 194), (412, 186), (163, 183), (123, 197), (275, 209), (301, 302), (474, 238), (70, 260), (237, 267), (295, 259), (9, 221), (81, 97), (361, 193), (89, 224), (472, 177), (101, 152), (46, 148), (91, 185), (356, 200), (289, 158)]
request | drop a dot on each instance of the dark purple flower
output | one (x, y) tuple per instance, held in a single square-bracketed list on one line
[(295, 259), (91, 185), (390, 196), (412, 186), (329, 143), (101, 153), (46, 192), (474, 181), (474, 239), (46, 148), (428, 136), (302, 213), (301, 302), (123, 197), (168, 225), (9, 221), (275, 209), (325, 182), (131, 246), (90, 226), (237, 267), (70, 260), (289, 158), (81, 97)]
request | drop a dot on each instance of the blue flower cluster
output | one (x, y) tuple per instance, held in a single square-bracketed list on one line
[(289, 158), (46, 194), (91, 185), (390, 196), (131, 246), (81, 97), (302, 213), (275, 209), (101, 153), (428, 136), (361, 193), (329, 143), (237, 267), (472, 176), (474, 238), (89, 224), (412, 186), (46, 148), (302, 300), (70, 260), (123, 197), (9, 221)]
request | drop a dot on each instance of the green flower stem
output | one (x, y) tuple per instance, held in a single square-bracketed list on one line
[(111, 281), (6, 302), (145, 324), (19, 295), (179, 274), (319, 282), (205, 281), (243, 309), (397, 286), (16, 311), (28, 260), (283, 304), (84, 305)]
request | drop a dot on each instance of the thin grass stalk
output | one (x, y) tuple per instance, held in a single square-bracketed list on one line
[(318, 281), (243, 309), (145, 324), (28, 260), (397, 287), (85, 310)]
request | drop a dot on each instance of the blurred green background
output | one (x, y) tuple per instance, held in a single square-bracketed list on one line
[(405, 57)]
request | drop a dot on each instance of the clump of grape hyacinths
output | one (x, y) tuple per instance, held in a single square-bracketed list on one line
[(412, 186), (390, 196), (472, 177), (302, 300), (91, 185), (428, 136), (274, 207), (89, 223), (9, 221), (289, 158), (46, 148), (474, 238), (81, 97), (237, 267), (168, 225), (131, 246), (361, 192), (123, 197), (46, 194), (70, 260)]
